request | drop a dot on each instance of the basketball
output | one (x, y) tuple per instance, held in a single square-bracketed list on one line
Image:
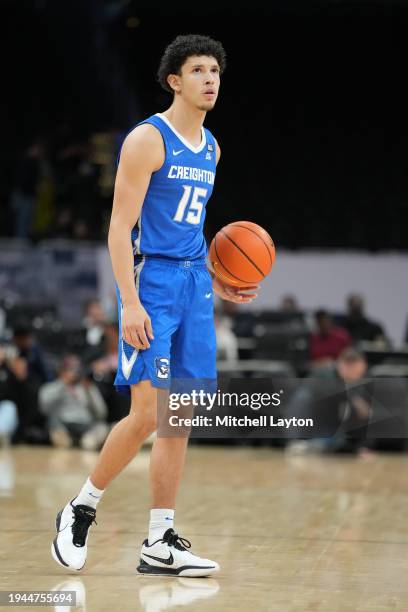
[(242, 254)]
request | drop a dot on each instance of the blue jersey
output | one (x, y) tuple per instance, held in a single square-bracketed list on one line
[(171, 276), (173, 212)]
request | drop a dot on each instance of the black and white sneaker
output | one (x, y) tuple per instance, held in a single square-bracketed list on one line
[(170, 557), (69, 547)]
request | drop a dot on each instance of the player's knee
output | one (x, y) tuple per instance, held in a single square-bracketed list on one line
[(143, 417), (143, 408)]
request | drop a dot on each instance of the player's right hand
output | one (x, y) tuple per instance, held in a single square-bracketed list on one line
[(136, 326)]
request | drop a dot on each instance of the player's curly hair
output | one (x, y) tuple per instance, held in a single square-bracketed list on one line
[(183, 47)]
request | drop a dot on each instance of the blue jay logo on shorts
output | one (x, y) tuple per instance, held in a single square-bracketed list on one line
[(162, 367)]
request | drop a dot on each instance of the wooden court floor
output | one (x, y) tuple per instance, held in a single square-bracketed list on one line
[(292, 533)]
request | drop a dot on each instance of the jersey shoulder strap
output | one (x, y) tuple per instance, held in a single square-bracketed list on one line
[(168, 135), (211, 142), (152, 120)]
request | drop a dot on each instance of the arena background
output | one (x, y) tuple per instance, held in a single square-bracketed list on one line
[(312, 124)]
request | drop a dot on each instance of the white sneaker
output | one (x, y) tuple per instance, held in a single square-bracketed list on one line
[(170, 557), (69, 547)]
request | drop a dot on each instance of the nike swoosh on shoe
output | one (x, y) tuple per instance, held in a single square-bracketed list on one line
[(168, 561)]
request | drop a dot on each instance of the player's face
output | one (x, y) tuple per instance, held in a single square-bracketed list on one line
[(200, 81)]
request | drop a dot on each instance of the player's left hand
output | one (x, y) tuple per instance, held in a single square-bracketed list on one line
[(239, 295)]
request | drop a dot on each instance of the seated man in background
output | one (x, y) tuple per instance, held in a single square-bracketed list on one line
[(19, 385), (94, 322), (26, 346), (338, 398), (351, 369), (288, 303), (328, 341), (358, 325), (74, 407)]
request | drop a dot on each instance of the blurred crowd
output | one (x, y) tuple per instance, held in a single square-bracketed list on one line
[(345, 374), (65, 397), (61, 188), (329, 334), (67, 400)]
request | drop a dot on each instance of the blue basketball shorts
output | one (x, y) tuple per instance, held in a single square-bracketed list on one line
[(178, 297)]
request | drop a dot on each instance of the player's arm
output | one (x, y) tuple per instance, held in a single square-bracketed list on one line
[(217, 152), (142, 154), (231, 294)]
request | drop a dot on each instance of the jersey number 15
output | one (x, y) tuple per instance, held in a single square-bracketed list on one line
[(195, 207)]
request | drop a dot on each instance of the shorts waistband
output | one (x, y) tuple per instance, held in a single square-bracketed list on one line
[(199, 262)]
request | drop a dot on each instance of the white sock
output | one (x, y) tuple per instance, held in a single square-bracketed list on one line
[(89, 495), (161, 519)]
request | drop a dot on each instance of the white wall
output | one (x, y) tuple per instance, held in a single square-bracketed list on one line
[(324, 279)]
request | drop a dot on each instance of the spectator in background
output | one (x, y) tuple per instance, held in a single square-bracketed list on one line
[(88, 196), (339, 400), (24, 371), (328, 341), (288, 303), (24, 194), (94, 322), (351, 368), (20, 388), (79, 191), (74, 407), (358, 325), (28, 348)]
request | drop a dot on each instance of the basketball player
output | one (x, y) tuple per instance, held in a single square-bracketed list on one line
[(165, 298)]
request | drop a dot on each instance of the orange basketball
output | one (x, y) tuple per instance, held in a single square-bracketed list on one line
[(242, 254)]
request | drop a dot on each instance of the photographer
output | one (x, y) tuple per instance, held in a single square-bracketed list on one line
[(19, 386), (75, 409), (338, 398)]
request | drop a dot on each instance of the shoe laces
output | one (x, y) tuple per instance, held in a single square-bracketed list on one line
[(173, 539), (84, 517)]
